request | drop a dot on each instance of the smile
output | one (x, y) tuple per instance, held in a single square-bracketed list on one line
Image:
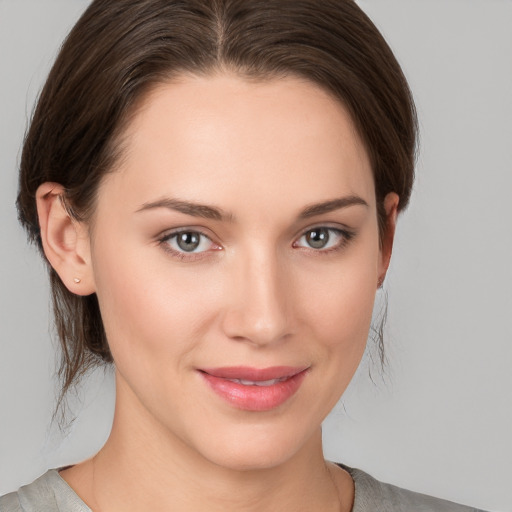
[(252, 389)]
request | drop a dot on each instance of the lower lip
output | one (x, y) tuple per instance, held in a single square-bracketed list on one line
[(255, 398)]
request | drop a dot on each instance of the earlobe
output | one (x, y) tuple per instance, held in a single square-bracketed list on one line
[(65, 240), (391, 210)]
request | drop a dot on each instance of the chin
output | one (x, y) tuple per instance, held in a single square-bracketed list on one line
[(257, 448), (258, 459)]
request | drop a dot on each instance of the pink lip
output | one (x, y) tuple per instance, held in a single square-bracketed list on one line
[(254, 397)]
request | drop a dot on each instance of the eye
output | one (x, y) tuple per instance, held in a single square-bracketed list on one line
[(324, 239), (187, 242)]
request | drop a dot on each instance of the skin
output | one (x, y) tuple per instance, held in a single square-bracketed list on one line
[(255, 293)]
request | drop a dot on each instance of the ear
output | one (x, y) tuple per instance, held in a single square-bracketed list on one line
[(65, 240), (391, 210)]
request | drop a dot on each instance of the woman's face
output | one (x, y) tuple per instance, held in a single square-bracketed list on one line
[(235, 255)]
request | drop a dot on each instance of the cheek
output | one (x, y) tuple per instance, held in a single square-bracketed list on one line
[(337, 311), (152, 312), (338, 302)]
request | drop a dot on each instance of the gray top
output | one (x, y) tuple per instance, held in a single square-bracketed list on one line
[(51, 493)]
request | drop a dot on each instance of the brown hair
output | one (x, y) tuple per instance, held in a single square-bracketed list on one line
[(121, 48)]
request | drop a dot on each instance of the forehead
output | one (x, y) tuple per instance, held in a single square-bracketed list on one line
[(233, 136)]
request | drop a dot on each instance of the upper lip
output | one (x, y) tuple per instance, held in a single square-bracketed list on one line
[(254, 374)]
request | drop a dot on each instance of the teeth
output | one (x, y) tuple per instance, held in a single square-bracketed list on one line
[(257, 383)]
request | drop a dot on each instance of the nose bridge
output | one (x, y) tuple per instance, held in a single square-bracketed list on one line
[(259, 309)]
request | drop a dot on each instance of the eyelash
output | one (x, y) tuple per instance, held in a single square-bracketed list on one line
[(345, 235)]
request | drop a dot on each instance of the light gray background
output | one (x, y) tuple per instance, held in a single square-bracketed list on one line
[(441, 420)]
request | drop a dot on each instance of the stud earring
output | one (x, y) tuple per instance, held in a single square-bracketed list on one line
[(77, 281)]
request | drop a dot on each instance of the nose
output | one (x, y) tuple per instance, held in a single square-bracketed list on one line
[(258, 309)]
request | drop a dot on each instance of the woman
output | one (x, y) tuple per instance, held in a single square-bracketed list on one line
[(215, 186)]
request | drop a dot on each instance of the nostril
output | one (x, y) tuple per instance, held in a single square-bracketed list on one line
[(256, 327)]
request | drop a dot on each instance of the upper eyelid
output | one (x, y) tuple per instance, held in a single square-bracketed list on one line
[(340, 231), (340, 228), (169, 233), (329, 228)]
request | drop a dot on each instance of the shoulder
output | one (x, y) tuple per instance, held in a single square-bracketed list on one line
[(49, 493), (374, 496)]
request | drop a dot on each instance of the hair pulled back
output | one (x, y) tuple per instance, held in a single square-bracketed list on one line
[(120, 49)]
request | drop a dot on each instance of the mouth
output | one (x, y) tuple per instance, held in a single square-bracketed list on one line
[(252, 389)]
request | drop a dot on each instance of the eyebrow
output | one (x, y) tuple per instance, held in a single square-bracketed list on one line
[(189, 208), (332, 205), (214, 213)]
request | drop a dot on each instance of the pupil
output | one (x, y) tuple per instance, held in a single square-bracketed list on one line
[(318, 238), (188, 241)]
